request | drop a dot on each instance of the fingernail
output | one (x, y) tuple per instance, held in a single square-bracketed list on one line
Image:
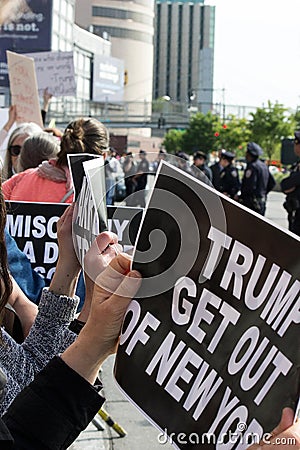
[(134, 274)]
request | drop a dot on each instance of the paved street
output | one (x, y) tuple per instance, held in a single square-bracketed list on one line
[(141, 434)]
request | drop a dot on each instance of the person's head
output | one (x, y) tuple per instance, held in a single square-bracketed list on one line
[(297, 143), (182, 159), (226, 158), (162, 154), (112, 153), (36, 149), (15, 142), (199, 159), (128, 155), (143, 154), (253, 151), (85, 135)]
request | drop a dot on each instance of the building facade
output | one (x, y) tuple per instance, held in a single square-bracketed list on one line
[(50, 26), (130, 27), (184, 51)]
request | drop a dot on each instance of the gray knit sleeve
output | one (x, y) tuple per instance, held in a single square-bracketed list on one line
[(47, 338)]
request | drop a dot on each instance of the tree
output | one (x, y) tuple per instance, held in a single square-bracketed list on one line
[(234, 135), (296, 119), (269, 126), (201, 133), (173, 140)]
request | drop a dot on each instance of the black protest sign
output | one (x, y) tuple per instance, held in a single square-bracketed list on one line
[(90, 214), (209, 349), (124, 221), (77, 172), (33, 226)]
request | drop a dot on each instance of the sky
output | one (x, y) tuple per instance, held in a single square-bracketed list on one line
[(257, 52)]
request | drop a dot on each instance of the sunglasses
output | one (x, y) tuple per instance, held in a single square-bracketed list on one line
[(14, 150)]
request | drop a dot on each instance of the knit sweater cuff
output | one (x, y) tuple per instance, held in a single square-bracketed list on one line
[(60, 306)]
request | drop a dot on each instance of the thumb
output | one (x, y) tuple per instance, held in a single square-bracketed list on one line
[(287, 419)]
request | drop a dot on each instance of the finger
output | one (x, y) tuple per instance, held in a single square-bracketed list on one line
[(66, 214), (290, 435), (113, 275), (104, 239), (118, 302), (100, 247), (129, 286), (287, 419), (110, 252)]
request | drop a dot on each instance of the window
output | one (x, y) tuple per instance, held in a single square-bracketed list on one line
[(124, 33), (114, 13)]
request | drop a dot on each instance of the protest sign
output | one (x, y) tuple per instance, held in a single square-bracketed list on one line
[(209, 349), (90, 215), (33, 226), (55, 72), (23, 87)]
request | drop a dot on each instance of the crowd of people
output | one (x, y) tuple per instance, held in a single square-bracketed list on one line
[(36, 156)]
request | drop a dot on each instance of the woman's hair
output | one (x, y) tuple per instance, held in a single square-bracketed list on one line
[(25, 129), (36, 149), (5, 280), (83, 136)]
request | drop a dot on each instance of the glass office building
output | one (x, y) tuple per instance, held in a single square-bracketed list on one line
[(184, 50)]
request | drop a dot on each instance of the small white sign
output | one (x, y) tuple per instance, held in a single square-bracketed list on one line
[(55, 71)]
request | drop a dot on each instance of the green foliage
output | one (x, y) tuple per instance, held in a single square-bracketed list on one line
[(269, 126), (207, 133), (296, 119), (234, 135), (200, 135), (173, 140), (279, 176)]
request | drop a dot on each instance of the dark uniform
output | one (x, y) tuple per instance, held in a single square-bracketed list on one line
[(141, 179), (292, 201), (200, 164), (257, 181), (200, 174), (225, 175), (229, 181), (216, 172)]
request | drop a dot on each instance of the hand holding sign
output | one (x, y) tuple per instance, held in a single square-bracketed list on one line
[(99, 255), (113, 291)]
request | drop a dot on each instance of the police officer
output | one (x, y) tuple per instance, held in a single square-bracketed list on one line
[(229, 177), (257, 180), (200, 164), (140, 178), (291, 187), (216, 171)]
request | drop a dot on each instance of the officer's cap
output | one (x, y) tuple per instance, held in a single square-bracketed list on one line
[(200, 155), (297, 137), (183, 155), (254, 149), (225, 154)]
